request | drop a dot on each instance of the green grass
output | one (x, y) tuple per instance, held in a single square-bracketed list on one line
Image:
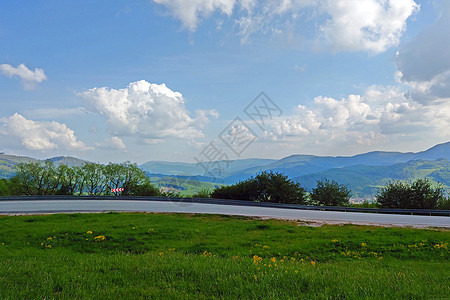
[(208, 256)]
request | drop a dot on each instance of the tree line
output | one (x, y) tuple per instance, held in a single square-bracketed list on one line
[(278, 188), (93, 179)]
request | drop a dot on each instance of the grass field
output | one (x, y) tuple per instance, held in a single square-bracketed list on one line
[(182, 256)]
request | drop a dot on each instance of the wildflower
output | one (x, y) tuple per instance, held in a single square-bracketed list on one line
[(273, 259), (133, 228), (3, 244), (266, 247), (256, 277), (256, 259), (363, 244), (334, 241), (89, 232), (49, 238), (150, 230), (48, 246), (100, 238), (161, 253), (313, 263)]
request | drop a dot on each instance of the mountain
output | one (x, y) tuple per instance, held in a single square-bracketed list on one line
[(196, 169), (67, 160), (363, 173), (364, 180), (8, 163)]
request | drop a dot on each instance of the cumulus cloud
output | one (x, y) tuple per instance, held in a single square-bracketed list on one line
[(381, 114), (345, 25), (17, 131), (372, 25), (29, 78), (424, 63), (145, 110)]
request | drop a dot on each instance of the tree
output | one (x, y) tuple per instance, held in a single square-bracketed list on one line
[(419, 194), (35, 178), (330, 193), (6, 188), (264, 187)]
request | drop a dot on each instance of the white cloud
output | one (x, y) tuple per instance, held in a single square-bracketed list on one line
[(373, 25), (145, 110), (17, 131), (28, 77), (345, 25), (380, 115), (424, 63)]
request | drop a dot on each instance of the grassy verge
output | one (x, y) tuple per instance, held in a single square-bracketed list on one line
[(202, 256)]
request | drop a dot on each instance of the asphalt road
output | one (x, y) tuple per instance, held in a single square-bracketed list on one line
[(71, 206)]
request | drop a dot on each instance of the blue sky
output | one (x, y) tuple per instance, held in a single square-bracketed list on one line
[(164, 79)]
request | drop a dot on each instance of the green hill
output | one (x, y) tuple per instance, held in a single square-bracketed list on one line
[(364, 180)]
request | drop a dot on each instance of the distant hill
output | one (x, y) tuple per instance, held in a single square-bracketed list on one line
[(364, 180), (8, 163), (363, 173), (67, 160)]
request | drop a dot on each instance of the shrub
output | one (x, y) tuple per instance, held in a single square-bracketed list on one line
[(202, 193), (264, 187), (330, 193), (419, 194)]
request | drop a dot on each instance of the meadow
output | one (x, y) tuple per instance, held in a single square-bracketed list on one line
[(185, 256)]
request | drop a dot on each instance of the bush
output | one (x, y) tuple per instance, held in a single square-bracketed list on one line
[(202, 193), (264, 187), (419, 194), (330, 193)]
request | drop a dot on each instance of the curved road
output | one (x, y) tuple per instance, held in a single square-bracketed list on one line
[(70, 206)]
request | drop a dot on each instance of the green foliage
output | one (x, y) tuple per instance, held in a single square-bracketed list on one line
[(202, 193), (418, 194), (264, 187), (37, 178), (6, 188), (330, 193), (183, 256)]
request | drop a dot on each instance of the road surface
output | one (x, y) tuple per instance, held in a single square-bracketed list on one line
[(318, 217)]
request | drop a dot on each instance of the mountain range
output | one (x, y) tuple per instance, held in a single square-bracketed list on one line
[(363, 173)]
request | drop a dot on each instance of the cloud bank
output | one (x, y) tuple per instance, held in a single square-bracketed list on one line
[(379, 116)]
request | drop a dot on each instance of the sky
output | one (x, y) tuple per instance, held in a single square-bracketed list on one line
[(203, 80)]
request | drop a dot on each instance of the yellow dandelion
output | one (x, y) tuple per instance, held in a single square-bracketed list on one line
[(273, 259), (313, 263), (161, 253), (334, 241), (89, 232), (363, 244), (100, 238), (49, 238)]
